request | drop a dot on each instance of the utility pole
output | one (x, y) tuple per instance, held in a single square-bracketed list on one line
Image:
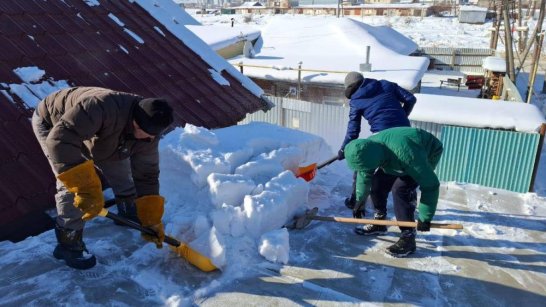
[(531, 10), (521, 42), (534, 67), (509, 51), (537, 38), (495, 34), (536, 31)]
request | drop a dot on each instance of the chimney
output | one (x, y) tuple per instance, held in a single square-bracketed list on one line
[(366, 66)]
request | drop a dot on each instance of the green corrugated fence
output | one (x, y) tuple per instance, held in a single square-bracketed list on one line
[(493, 158)]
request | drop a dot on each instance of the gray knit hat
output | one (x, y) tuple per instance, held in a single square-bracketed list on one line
[(352, 83), (352, 78)]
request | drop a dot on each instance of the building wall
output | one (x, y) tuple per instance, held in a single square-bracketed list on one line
[(318, 93), (357, 11), (313, 92), (382, 1)]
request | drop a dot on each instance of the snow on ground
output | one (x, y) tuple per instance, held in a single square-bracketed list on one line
[(437, 31)]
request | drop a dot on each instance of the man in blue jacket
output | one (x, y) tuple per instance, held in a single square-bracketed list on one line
[(384, 105)]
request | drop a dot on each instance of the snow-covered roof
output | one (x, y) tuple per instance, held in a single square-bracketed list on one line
[(494, 63), (478, 113), (218, 37), (369, 6), (334, 44), (250, 5), (472, 8)]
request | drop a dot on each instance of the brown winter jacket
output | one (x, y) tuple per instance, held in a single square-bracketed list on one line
[(96, 123)]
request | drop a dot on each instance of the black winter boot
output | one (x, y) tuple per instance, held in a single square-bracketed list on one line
[(369, 229), (405, 245), (127, 209), (71, 249), (350, 202)]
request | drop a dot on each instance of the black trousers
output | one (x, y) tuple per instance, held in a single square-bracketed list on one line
[(404, 195)]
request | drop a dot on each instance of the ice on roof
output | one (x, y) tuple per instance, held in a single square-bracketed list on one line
[(29, 73), (92, 2)]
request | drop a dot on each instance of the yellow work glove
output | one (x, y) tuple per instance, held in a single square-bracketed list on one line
[(83, 181), (150, 209)]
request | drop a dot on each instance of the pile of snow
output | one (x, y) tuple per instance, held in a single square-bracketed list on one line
[(333, 44), (233, 186)]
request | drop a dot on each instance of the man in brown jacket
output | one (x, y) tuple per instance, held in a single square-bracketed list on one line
[(87, 129)]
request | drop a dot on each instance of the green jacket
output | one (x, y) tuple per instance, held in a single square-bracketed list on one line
[(401, 151)]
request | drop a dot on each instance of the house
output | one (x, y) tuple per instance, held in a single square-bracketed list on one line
[(472, 14), (253, 7), (368, 9), (307, 57), (128, 45)]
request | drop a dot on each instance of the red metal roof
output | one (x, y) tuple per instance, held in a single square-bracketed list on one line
[(79, 43)]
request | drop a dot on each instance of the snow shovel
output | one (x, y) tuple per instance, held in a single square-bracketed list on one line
[(308, 172), (201, 262), (304, 220)]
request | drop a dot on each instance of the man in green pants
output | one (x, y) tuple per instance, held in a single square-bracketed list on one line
[(411, 154)]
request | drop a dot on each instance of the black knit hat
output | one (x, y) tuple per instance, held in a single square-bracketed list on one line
[(153, 115)]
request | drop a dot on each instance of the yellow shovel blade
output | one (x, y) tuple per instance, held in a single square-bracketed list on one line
[(201, 262)]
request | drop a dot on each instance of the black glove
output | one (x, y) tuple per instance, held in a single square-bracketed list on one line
[(423, 226), (358, 210), (341, 154)]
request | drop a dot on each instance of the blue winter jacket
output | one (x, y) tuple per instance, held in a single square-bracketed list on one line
[(379, 102)]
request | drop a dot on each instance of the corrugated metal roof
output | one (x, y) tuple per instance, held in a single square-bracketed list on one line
[(74, 41), (27, 184)]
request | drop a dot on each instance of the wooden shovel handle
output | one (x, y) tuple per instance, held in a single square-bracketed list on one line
[(382, 222)]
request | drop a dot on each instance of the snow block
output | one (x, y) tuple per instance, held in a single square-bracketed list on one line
[(275, 246), (229, 189)]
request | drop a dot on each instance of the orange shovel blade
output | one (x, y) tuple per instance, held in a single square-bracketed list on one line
[(307, 172)]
